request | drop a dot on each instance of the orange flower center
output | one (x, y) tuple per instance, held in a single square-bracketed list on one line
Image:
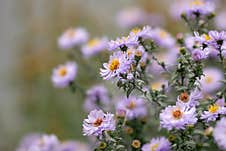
[(114, 64), (184, 97), (131, 105), (208, 79), (98, 122), (177, 114), (62, 72)]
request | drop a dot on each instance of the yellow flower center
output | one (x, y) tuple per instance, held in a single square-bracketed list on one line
[(184, 97), (62, 71), (213, 108), (208, 79), (163, 34), (136, 143), (70, 33), (114, 64), (131, 105), (156, 86), (138, 53), (93, 42), (154, 147), (197, 3), (129, 52), (177, 114), (207, 37), (135, 30), (98, 122)]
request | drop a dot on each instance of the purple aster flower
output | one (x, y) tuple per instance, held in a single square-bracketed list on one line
[(144, 33), (219, 21), (119, 63), (157, 144), (162, 38), (96, 97), (98, 122), (134, 107), (217, 38), (214, 111), (219, 133), (177, 7), (177, 117), (211, 81), (72, 38), (190, 42), (200, 7), (131, 17), (63, 75), (198, 54), (45, 143), (94, 46), (27, 141), (129, 41), (189, 100)]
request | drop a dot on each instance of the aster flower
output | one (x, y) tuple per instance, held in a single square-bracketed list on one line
[(214, 111), (98, 122), (217, 38), (73, 37), (219, 22), (63, 75), (131, 17), (144, 33), (27, 141), (134, 107), (45, 143), (123, 42), (157, 144), (118, 64), (189, 100), (219, 133), (94, 46), (198, 54), (96, 97), (162, 38), (177, 117), (199, 7), (211, 80)]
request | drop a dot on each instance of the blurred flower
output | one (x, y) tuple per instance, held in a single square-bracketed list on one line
[(162, 38), (177, 117), (72, 146), (73, 37), (45, 143), (177, 7), (134, 107), (157, 144), (96, 97), (27, 141), (214, 111), (211, 80), (219, 22), (98, 122), (123, 43), (63, 75), (118, 64), (94, 46), (157, 84), (219, 133), (131, 17)]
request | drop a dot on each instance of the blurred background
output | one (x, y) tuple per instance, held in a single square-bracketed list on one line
[(28, 44)]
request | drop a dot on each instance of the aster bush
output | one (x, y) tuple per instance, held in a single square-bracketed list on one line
[(172, 89)]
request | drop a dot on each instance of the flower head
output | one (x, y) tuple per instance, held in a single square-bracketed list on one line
[(144, 33), (211, 80), (123, 43), (198, 54), (217, 38), (177, 117), (63, 75), (119, 63), (134, 107), (219, 133), (98, 122), (157, 144), (45, 143), (72, 38), (214, 111), (94, 46), (96, 97)]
